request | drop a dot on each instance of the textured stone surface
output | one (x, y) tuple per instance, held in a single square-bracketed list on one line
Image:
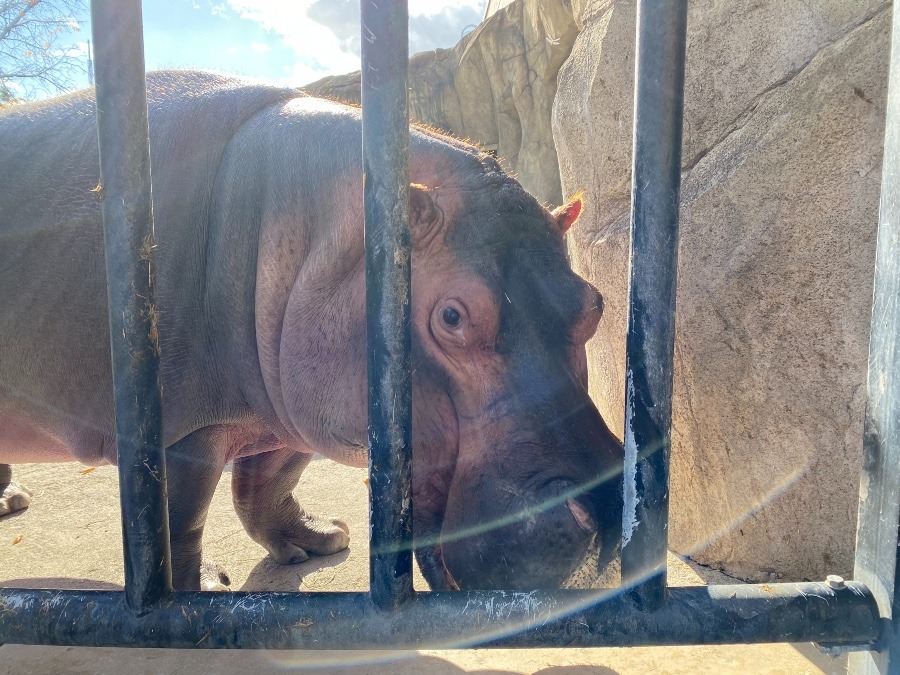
[(592, 125), (783, 126), (496, 87)]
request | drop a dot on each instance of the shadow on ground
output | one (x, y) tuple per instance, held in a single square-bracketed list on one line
[(268, 575)]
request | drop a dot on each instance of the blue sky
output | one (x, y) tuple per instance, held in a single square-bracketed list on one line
[(292, 42)]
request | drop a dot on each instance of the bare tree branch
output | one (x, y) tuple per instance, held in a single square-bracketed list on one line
[(40, 50)]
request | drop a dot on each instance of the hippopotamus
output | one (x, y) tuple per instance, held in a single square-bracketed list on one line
[(258, 207)]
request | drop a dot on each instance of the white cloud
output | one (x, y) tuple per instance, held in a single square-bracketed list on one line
[(318, 50), (432, 7), (15, 88), (260, 47), (324, 34), (219, 10)]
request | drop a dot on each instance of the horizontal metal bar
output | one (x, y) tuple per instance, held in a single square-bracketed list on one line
[(128, 233), (689, 616)]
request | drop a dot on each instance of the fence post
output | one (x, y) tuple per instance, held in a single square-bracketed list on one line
[(656, 181), (128, 232), (879, 489), (385, 122)]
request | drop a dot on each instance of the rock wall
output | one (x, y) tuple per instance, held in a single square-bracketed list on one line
[(496, 88), (784, 119)]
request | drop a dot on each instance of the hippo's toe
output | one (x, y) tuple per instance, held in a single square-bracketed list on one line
[(286, 552), (13, 497), (313, 535), (324, 536)]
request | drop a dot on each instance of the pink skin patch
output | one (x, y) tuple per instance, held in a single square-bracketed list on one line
[(582, 517)]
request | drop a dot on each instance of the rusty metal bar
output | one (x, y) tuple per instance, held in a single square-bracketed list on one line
[(128, 232), (385, 122), (656, 182), (879, 493)]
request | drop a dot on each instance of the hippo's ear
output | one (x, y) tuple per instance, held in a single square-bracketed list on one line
[(566, 215), (425, 217)]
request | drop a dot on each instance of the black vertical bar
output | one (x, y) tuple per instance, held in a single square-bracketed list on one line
[(385, 122), (656, 180), (128, 232), (879, 490)]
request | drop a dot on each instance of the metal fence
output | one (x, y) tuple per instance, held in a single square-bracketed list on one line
[(853, 615)]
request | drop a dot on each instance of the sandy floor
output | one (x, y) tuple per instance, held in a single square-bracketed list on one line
[(70, 538)]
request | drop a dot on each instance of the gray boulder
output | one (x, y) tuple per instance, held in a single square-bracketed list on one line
[(784, 119)]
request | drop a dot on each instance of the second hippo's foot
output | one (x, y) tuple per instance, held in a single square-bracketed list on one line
[(213, 577), (13, 497)]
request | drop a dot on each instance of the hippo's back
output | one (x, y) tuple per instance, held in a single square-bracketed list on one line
[(54, 365)]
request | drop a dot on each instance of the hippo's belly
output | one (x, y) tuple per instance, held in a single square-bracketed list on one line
[(24, 440)]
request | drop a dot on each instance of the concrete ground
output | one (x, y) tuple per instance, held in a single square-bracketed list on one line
[(70, 538)]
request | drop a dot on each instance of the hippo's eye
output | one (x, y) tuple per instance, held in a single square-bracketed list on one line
[(451, 317)]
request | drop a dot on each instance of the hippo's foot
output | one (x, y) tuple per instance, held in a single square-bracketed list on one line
[(306, 535), (213, 577), (13, 497), (291, 535)]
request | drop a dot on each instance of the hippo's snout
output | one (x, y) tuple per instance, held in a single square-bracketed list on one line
[(503, 554)]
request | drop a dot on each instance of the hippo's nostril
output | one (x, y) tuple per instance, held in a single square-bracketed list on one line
[(582, 516)]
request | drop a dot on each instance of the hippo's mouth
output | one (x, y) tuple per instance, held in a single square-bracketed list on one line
[(464, 548), (592, 573)]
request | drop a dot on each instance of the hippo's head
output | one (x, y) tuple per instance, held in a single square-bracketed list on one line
[(514, 472), (503, 425)]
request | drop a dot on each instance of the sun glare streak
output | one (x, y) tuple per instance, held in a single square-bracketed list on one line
[(491, 616), (513, 517)]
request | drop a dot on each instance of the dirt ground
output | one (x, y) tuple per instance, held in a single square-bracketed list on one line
[(71, 538)]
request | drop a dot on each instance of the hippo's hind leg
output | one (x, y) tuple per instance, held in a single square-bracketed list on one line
[(262, 487), (193, 468), (13, 496)]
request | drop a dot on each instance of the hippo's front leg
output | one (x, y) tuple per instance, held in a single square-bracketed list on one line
[(13, 496), (262, 489)]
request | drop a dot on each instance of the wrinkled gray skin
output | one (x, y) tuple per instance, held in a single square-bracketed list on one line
[(258, 216)]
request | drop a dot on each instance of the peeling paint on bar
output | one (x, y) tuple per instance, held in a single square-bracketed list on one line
[(385, 136), (631, 499), (691, 615)]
